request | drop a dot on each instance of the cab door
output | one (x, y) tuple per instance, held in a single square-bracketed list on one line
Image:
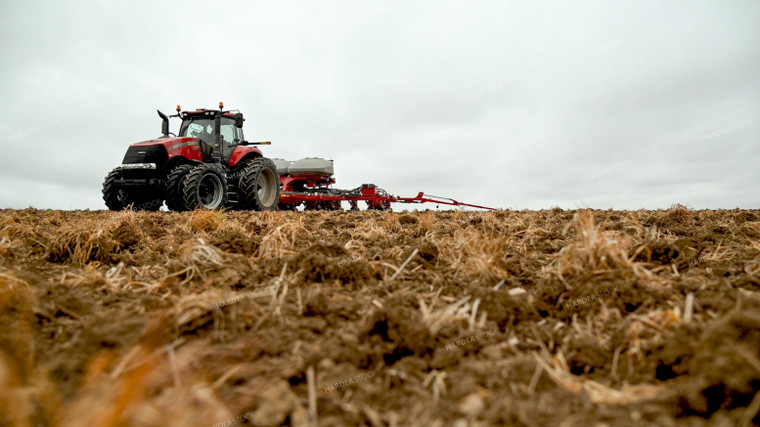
[(231, 137)]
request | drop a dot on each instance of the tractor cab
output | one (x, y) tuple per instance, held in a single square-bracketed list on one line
[(202, 124)]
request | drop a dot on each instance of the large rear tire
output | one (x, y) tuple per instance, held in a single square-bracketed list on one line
[(174, 180), (205, 187), (259, 185), (115, 197)]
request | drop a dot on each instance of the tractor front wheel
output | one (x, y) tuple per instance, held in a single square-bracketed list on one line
[(259, 186), (115, 197), (205, 187), (174, 180), (118, 199)]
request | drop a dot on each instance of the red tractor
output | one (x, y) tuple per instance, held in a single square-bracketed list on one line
[(207, 165)]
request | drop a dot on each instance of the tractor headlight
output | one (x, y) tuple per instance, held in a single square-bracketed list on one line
[(138, 166)]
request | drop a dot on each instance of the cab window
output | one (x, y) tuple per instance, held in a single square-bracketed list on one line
[(200, 128), (229, 131)]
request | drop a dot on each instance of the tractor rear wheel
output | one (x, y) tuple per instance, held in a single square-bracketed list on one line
[(205, 187), (174, 179), (115, 197), (259, 186)]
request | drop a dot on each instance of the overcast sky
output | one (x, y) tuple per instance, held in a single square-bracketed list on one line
[(529, 104)]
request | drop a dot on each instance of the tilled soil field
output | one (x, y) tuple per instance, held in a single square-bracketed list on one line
[(533, 318)]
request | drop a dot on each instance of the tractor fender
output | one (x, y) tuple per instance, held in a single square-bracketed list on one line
[(242, 153), (179, 160)]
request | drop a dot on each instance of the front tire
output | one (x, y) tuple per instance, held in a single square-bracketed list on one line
[(259, 186), (115, 197), (118, 199), (174, 180), (205, 187)]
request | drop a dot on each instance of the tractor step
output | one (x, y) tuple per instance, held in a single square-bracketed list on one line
[(232, 196)]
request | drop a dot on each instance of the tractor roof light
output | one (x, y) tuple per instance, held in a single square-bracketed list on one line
[(179, 108), (221, 105)]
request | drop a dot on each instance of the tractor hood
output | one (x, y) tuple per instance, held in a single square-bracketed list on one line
[(165, 141), (184, 146), (157, 152)]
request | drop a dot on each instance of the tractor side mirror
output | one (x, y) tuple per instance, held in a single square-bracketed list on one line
[(239, 120), (164, 123)]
